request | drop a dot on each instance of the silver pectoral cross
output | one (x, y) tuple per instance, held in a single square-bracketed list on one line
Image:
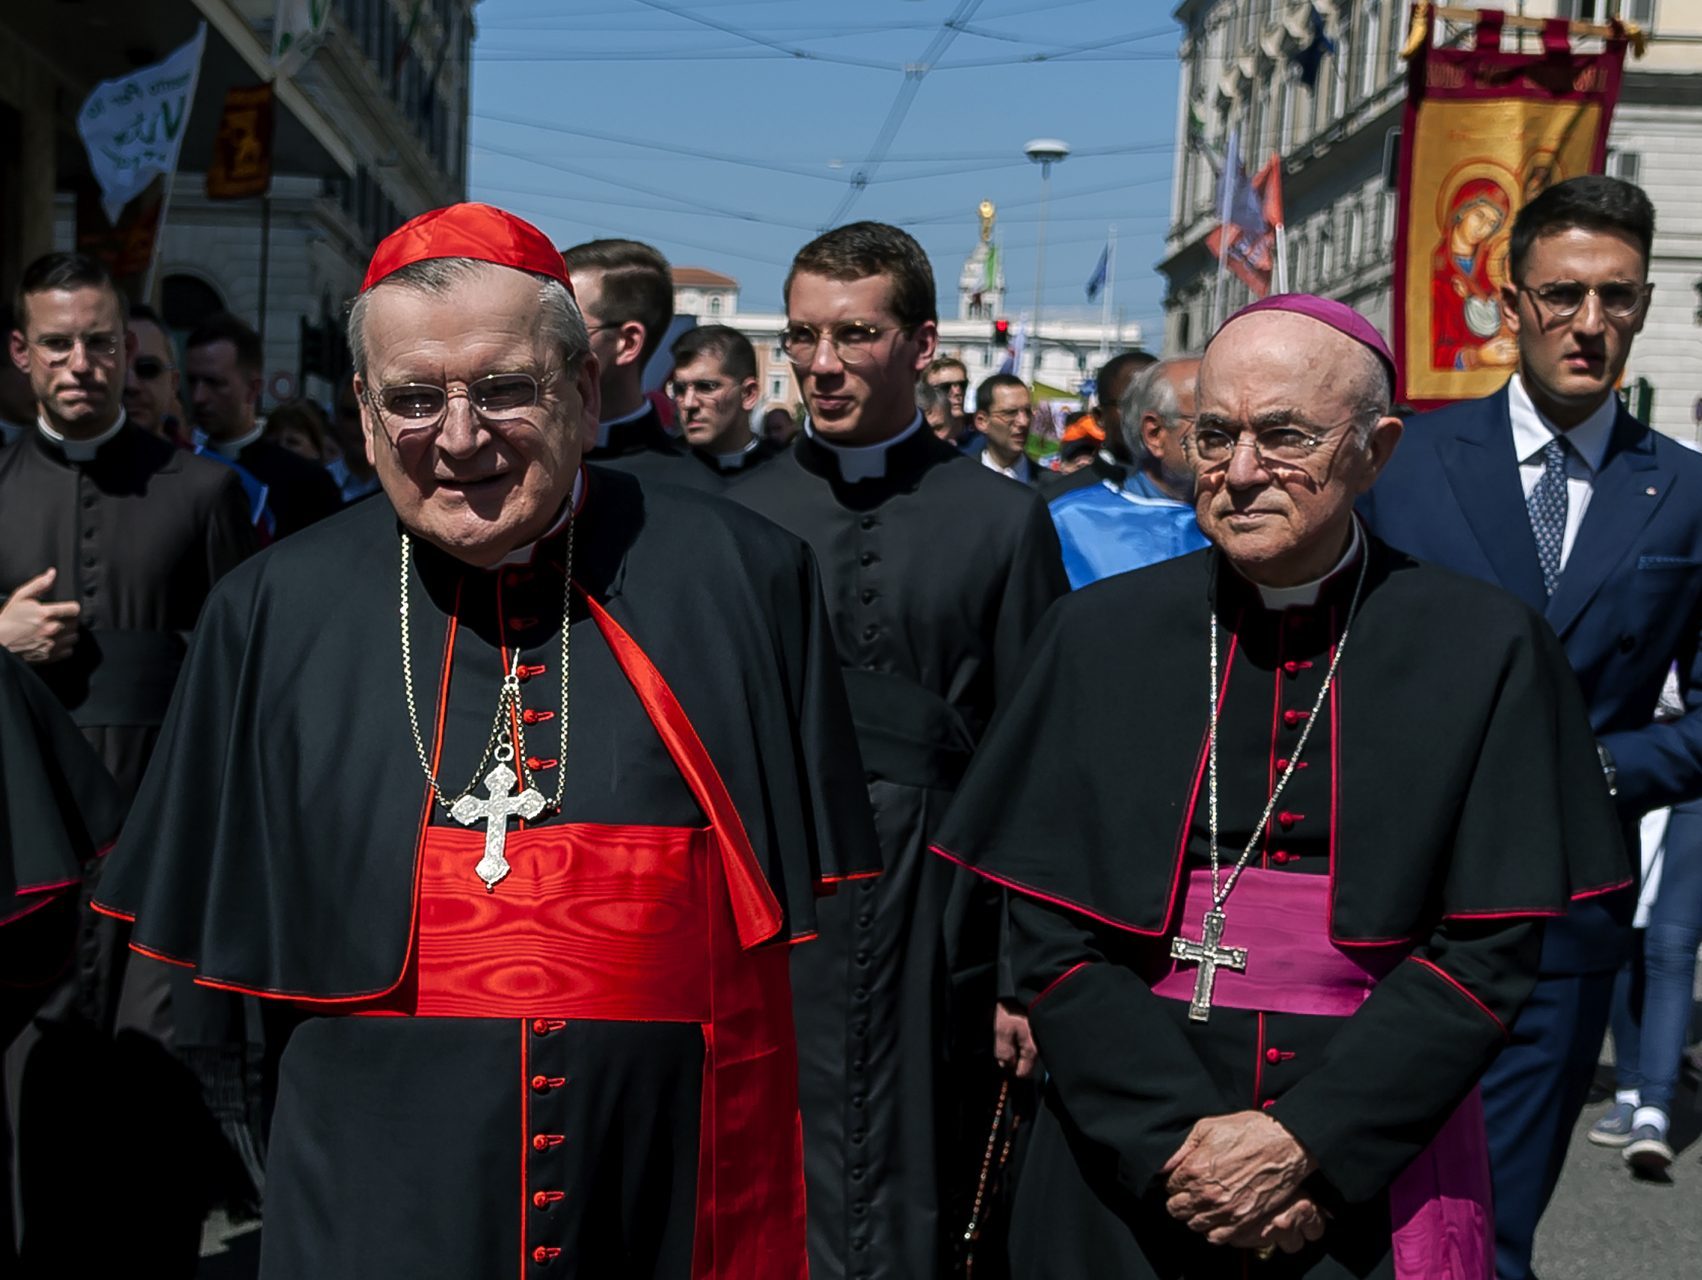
[(1208, 954), (495, 813)]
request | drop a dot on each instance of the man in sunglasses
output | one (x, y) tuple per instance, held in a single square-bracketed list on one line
[(948, 375), (937, 572), (626, 290), (1551, 489), (544, 765), (150, 388), (110, 542)]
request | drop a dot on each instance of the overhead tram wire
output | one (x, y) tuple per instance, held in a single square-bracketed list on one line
[(908, 88), (792, 51), (542, 193)]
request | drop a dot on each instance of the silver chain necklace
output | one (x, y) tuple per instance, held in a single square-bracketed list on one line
[(500, 804), (1209, 952)]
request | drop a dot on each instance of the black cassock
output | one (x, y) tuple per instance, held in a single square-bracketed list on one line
[(285, 847), (1452, 794), (642, 447), (59, 810), (936, 574)]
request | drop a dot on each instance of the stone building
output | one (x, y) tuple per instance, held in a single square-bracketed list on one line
[(1337, 140)]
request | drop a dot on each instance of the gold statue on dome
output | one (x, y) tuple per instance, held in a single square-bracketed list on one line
[(986, 211)]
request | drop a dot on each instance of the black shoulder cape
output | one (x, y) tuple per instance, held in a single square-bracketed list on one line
[(273, 842), (58, 806), (1468, 783)]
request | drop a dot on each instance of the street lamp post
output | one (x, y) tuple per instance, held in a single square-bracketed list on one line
[(1044, 152)]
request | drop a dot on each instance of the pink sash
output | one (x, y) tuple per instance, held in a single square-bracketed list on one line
[(1439, 1205)]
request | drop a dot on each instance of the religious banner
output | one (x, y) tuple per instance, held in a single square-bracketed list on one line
[(133, 125), (242, 151), (125, 247), (298, 26), (1485, 130)]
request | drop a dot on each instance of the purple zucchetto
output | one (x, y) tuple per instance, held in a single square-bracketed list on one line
[(1338, 315)]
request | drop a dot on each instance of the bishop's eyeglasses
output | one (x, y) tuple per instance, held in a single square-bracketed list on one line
[(1287, 447), (852, 342), (420, 406), (1563, 299)]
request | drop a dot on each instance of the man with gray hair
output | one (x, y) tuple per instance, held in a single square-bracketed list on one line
[(1147, 516), (364, 803), (1297, 896)]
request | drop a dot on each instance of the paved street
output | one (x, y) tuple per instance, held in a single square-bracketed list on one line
[(1604, 1225)]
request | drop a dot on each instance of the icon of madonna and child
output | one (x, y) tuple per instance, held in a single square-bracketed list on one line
[(1475, 214)]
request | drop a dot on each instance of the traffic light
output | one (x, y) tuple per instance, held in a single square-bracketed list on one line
[(1001, 333)]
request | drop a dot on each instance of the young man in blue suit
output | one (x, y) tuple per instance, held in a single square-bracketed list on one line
[(1551, 489)]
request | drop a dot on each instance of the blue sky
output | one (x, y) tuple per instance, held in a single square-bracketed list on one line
[(728, 132)]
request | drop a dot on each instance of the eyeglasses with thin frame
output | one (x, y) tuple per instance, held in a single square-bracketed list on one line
[(1285, 447), (59, 347), (1563, 299), (413, 407), (1008, 416), (853, 342)]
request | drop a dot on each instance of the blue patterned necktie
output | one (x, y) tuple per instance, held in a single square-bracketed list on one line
[(1547, 503)]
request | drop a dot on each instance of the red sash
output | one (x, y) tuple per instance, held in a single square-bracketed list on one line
[(1439, 1205), (654, 924)]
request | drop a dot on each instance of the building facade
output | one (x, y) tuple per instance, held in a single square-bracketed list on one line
[(1338, 138), (370, 131)]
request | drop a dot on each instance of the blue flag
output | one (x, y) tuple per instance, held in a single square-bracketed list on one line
[(1096, 281), (1311, 57)]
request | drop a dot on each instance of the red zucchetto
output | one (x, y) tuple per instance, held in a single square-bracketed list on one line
[(479, 231)]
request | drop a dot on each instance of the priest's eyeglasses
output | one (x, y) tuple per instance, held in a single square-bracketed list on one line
[(1563, 299), (58, 347), (1276, 448), (411, 406), (853, 342)]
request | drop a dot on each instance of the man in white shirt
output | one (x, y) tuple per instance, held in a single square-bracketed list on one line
[(1551, 489), (1004, 411)]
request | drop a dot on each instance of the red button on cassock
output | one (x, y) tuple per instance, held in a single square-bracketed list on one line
[(1267, 1104), (1273, 1055), (1281, 856), (543, 1084), (543, 1026), (536, 717), (1288, 819), (544, 1141), (543, 1254), (1292, 718), (544, 1199)]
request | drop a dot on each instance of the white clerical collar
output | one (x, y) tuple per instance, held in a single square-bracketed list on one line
[(1306, 593), (228, 449), (735, 460), (570, 508), (605, 429), (1532, 431), (862, 461), (1020, 471), (78, 450)]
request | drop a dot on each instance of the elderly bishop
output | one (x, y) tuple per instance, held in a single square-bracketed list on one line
[(508, 796), (1286, 919)]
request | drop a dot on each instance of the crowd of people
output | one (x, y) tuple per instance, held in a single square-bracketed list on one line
[(512, 821)]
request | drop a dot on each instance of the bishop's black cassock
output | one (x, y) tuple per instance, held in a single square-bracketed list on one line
[(642, 447), (937, 571), (589, 1070), (1449, 799)]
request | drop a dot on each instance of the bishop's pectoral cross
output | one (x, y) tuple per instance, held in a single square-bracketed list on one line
[(1208, 954), (495, 813)]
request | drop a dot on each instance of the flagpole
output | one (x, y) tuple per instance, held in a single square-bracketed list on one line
[(1110, 288), (170, 181), (1282, 257)]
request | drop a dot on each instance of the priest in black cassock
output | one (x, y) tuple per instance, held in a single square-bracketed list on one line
[(110, 541), (937, 571), (626, 291), (716, 390), (59, 811), (509, 796), (1276, 931)]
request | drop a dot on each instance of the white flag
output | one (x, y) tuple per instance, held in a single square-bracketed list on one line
[(296, 31), (133, 126)]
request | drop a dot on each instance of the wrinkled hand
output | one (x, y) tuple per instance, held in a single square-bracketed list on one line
[(1295, 1226), (38, 630), (1234, 1173), (1013, 1042)]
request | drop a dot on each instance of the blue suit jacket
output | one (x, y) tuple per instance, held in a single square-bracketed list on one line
[(1627, 607)]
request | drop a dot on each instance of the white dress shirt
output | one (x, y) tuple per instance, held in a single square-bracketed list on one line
[(1022, 470), (862, 461), (1588, 441)]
